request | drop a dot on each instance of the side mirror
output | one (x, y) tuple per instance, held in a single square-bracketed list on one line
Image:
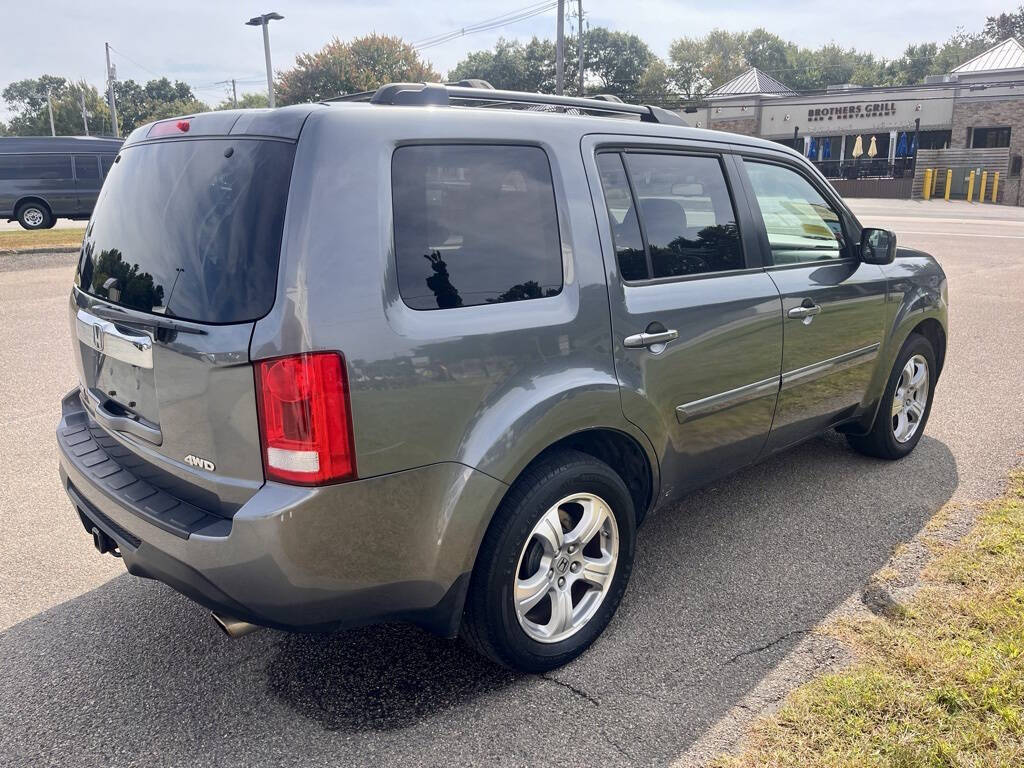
[(877, 246)]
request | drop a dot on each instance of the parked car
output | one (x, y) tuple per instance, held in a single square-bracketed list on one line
[(432, 358), (44, 178)]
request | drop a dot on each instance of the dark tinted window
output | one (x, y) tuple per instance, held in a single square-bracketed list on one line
[(56, 166), (629, 245), (107, 161), (686, 213), (988, 138), (474, 225), (86, 167), (191, 229)]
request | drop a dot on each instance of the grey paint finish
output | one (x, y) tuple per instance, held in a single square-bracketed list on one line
[(449, 406)]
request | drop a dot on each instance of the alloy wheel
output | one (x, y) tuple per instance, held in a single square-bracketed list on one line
[(910, 399), (566, 567)]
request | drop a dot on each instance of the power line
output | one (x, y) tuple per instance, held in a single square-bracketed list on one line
[(512, 17)]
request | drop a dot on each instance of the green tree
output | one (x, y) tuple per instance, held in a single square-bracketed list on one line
[(157, 99), (998, 28), (686, 72), (340, 67), (766, 51), (511, 65), (723, 56), (251, 100), (26, 99), (616, 60)]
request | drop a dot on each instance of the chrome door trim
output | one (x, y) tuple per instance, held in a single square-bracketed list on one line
[(723, 400), (833, 364), (103, 336)]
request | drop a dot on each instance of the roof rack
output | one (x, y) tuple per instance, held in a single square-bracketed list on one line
[(443, 95)]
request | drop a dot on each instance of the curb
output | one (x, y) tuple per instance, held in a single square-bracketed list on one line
[(29, 251)]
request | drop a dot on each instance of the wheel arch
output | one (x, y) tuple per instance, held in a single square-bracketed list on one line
[(22, 201)]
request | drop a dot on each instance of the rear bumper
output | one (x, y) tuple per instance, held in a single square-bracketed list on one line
[(397, 547)]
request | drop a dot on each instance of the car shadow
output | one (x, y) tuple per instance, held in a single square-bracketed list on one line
[(725, 584)]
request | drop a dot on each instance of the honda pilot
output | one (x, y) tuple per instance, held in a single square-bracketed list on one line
[(432, 354)]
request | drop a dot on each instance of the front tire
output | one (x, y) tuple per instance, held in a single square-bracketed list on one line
[(35, 216), (554, 564), (905, 405)]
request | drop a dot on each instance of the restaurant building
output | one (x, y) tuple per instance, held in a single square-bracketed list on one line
[(879, 141)]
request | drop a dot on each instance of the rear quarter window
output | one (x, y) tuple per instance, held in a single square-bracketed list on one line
[(474, 225)]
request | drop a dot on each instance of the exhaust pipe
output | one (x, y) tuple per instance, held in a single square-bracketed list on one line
[(233, 627)]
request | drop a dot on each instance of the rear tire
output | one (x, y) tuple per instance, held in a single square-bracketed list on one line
[(33, 215), (905, 405), (535, 604)]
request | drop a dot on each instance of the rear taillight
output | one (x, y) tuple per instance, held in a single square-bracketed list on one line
[(305, 419)]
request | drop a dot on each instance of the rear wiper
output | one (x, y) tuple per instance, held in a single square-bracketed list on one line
[(146, 321)]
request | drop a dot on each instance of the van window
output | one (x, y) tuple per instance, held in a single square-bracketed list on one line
[(190, 229), (107, 161), (39, 166), (474, 225), (86, 168), (686, 214)]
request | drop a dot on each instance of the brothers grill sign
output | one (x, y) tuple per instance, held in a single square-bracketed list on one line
[(852, 111)]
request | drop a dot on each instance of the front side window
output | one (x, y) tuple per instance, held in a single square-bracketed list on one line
[(682, 208), (801, 225), (474, 225), (86, 168)]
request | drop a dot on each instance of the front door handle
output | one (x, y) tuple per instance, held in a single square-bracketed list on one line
[(806, 310), (639, 340)]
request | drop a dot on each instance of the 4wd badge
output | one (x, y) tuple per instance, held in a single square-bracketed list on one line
[(198, 463)]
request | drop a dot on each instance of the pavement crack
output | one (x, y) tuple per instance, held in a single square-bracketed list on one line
[(570, 687), (766, 646)]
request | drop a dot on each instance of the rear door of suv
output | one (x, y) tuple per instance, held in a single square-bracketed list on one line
[(179, 261), (696, 321)]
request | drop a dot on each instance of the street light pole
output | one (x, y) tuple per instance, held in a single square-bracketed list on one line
[(110, 92), (263, 21), (560, 49), (579, 6), (49, 108)]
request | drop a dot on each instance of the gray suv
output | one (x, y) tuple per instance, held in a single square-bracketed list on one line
[(432, 354)]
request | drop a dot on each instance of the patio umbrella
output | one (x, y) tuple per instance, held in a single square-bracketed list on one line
[(901, 147), (873, 149), (826, 149), (812, 150), (858, 147)]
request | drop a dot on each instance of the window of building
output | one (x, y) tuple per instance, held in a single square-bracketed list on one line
[(934, 139), (801, 225), (989, 138), (686, 216), (474, 225), (40, 166)]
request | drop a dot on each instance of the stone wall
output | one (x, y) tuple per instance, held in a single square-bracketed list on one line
[(745, 125), (991, 114)]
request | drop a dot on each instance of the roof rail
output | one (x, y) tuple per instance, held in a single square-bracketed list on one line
[(439, 94)]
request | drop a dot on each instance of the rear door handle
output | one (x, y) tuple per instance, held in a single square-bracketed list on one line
[(807, 309), (640, 340)]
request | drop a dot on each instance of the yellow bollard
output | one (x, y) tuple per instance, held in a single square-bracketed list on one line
[(949, 181), (995, 185), (935, 181), (970, 187), (984, 183), (926, 190)]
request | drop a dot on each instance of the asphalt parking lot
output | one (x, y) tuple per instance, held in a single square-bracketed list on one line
[(101, 668)]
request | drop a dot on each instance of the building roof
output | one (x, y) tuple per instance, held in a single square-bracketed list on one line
[(1008, 54), (752, 82)]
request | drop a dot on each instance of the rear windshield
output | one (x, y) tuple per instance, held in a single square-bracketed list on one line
[(190, 229)]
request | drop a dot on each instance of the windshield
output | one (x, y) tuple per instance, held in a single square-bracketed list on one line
[(190, 229)]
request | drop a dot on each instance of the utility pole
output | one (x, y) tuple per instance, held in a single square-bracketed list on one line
[(579, 7), (49, 108), (234, 93), (560, 49), (111, 76), (263, 21), (85, 113)]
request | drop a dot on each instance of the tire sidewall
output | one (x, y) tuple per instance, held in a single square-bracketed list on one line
[(914, 345), (47, 218), (593, 477)]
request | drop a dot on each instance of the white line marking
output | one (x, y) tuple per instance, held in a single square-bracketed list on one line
[(958, 234)]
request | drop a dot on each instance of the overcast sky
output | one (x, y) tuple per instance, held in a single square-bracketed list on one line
[(203, 41)]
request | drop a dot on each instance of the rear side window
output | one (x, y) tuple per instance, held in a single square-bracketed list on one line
[(474, 225), (190, 229), (107, 161), (629, 243), (41, 166), (86, 167)]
